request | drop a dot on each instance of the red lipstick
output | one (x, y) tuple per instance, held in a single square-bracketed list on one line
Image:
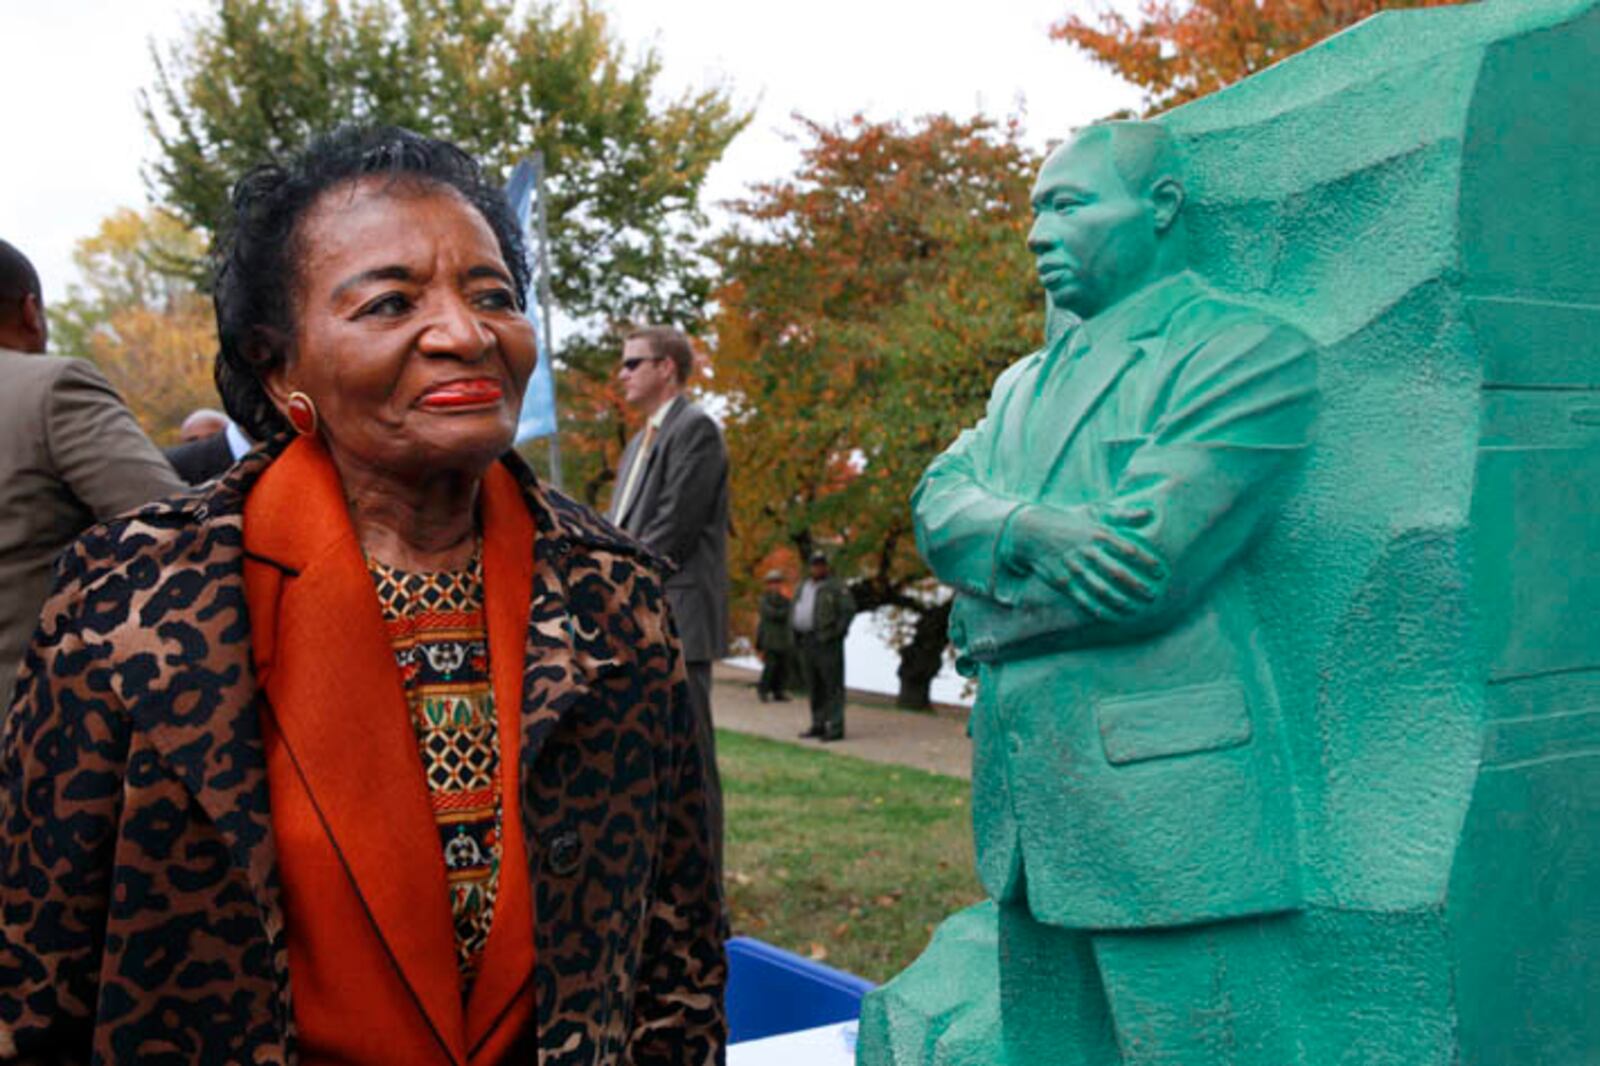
[(471, 392)]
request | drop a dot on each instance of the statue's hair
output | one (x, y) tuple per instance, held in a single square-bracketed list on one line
[(1143, 152)]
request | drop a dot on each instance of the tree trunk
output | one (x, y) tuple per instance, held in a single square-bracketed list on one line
[(921, 658)]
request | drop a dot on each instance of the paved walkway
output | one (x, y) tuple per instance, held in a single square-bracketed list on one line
[(873, 728)]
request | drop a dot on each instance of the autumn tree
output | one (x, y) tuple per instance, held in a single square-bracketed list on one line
[(147, 327), (1179, 50), (869, 303), (255, 79)]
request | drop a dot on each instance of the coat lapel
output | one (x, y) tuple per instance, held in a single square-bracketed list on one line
[(630, 453), (641, 490), (334, 690), (554, 679), (625, 520), (1092, 376), (1110, 345), (508, 589)]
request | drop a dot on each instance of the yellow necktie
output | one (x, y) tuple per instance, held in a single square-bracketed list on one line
[(635, 472)]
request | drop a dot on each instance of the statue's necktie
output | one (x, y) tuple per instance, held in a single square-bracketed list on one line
[(1060, 359)]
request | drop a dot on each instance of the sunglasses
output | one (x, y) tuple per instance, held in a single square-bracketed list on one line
[(633, 363)]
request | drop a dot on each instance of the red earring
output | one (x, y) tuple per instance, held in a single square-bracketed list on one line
[(302, 414)]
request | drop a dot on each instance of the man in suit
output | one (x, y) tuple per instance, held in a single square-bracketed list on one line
[(822, 611), (71, 454), (212, 443), (672, 493), (1132, 794)]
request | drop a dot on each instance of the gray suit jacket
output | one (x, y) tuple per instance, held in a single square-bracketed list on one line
[(680, 510), (71, 455)]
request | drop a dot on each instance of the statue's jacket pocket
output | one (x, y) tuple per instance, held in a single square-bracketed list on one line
[(1172, 722)]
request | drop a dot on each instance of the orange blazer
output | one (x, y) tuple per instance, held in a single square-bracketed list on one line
[(372, 952)]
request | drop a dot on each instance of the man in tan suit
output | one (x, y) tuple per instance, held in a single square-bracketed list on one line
[(71, 455)]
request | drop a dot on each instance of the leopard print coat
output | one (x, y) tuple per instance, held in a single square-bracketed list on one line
[(140, 910)]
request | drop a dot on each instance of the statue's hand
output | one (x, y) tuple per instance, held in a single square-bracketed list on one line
[(1093, 555)]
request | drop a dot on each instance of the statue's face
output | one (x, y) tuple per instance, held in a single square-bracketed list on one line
[(1092, 238)]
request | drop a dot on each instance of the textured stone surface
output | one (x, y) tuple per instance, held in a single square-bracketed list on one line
[(1421, 195)]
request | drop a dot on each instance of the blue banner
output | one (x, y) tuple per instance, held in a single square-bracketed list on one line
[(538, 418)]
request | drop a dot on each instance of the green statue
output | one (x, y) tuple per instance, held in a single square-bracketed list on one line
[(1129, 770), (1287, 740)]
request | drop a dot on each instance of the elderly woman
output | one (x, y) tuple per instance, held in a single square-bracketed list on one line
[(377, 751)]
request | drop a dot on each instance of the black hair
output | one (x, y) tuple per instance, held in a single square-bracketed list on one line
[(18, 280), (257, 253)]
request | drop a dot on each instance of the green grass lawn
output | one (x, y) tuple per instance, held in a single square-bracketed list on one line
[(845, 861)]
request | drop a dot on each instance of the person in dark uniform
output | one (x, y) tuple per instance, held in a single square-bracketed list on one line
[(774, 642), (821, 617)]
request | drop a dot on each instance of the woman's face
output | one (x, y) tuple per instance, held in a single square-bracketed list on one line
[(407, 335)]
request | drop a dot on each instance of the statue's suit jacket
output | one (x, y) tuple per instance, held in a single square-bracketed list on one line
[(71, 455), (1130, 773), (680, 511)]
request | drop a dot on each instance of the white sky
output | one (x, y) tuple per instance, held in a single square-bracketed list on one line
[(70, 71)]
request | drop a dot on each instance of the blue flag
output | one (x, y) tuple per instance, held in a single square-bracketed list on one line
[(538, 417)]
